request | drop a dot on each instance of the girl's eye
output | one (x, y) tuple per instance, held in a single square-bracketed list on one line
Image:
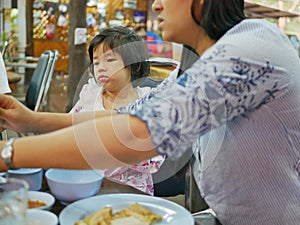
[(111, 60)]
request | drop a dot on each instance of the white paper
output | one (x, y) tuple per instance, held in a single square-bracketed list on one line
[(80, 36)]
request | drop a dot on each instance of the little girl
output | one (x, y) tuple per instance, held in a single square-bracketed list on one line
[(118, 57)]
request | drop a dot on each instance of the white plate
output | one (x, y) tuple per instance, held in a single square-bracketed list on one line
[(171, 213)]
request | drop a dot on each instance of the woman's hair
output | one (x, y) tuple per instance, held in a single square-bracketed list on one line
[(218, 16), (188, 57), (128, 44)]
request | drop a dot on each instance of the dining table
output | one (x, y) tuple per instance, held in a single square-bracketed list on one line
[(110, 187)]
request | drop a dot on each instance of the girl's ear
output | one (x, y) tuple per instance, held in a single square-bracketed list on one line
[(197, 7)]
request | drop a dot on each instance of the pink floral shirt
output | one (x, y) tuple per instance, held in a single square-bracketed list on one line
[(137, 175)]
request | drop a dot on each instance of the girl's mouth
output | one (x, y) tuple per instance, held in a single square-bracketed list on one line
[(102, 79)]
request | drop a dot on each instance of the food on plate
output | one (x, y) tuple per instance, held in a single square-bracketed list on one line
[(35, 204), (139, 212), (101, 217), (134, 214), (127, 221)]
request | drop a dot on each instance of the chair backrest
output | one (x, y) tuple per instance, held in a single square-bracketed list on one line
[(41, 79), (146, 82), (46, 85)]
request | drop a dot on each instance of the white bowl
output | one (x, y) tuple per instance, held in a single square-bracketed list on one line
[(33, 177), (41, 217), (71, 185), (47, 198)]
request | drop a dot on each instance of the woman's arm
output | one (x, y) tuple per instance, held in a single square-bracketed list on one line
[(112, 141)]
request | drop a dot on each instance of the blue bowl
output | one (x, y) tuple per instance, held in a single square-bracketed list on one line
[(71, 185), (33, 177)]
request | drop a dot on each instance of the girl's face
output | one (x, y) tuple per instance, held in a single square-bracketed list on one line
[(175, 20), (109, 69)]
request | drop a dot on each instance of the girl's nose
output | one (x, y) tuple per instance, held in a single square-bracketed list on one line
[(156, 6), (99, 68)]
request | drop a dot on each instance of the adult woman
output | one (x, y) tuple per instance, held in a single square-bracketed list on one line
[(240, 97)]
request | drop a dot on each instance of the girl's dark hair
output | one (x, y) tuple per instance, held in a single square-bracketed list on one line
[(128, 44), (218, 16)]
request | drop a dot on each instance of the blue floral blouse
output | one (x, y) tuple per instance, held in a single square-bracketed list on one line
[(239, 107)]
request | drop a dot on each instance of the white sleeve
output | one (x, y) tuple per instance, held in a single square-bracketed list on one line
[(90, 98), (4, 86)]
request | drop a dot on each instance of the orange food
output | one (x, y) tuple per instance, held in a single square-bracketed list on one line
[(35, 204)]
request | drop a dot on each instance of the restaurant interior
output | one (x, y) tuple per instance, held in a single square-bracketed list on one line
[(52, 30)]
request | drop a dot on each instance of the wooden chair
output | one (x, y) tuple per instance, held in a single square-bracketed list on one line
[(146, 82)]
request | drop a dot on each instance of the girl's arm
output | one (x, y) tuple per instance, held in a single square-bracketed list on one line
[(14, 115)]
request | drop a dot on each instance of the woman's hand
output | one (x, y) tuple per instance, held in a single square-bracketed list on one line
[(14, 115)]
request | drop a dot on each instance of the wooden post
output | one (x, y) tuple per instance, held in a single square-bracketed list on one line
[(29, 38), (77, 53), (29, 28)]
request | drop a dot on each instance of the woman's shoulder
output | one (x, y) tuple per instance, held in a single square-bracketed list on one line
[(255, 29), (250, 39)]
